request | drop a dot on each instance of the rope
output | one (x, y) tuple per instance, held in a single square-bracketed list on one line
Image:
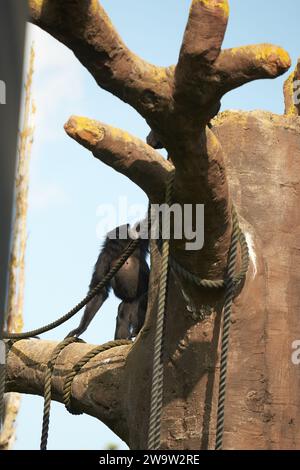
[(67, 390), (47, 389), (125, 255), (229, 296), (231, 283), (68, 382), (158, 370), (213, 284)]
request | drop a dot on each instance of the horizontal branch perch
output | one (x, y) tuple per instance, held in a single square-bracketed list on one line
[(123, 152), (96, 390)]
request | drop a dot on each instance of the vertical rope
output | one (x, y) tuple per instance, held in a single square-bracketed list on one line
[(158, 368), (47, 389), (229, 295)]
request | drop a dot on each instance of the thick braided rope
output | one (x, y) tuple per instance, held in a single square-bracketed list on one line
[(67, 390), (47, 389), (229, 295), (158, 371), (125, 255), (213, 284)]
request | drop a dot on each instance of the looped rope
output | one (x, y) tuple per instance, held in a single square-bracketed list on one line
[(217, 284), (230, 283), (67, 390), (158, 368)]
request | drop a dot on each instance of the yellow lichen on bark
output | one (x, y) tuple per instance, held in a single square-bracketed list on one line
[(91, 132), (87, 130), (269, 53), (214, 4)]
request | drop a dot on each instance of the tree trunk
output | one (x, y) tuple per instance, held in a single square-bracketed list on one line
[(178, 102)]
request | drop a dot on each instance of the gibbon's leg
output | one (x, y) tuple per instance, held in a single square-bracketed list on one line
[(131, 317), (138, 314), (123, 321)]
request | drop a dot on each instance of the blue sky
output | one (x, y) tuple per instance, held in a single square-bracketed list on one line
[(68, 185)]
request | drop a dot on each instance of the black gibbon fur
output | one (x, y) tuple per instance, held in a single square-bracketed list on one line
[(130, 285)]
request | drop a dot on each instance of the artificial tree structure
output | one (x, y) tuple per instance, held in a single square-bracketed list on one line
[(246, 158)]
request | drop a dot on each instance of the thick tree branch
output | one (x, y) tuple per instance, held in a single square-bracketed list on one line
[(123, 152), (84, 27), (292, 92), (235, 67), (201, 46), (204, 73), (204, 33), (97, 390)]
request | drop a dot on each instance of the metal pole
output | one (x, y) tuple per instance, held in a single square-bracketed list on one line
[(13, 16)]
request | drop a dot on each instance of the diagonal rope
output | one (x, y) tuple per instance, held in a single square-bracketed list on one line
[(158, 370), (125, 255)]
